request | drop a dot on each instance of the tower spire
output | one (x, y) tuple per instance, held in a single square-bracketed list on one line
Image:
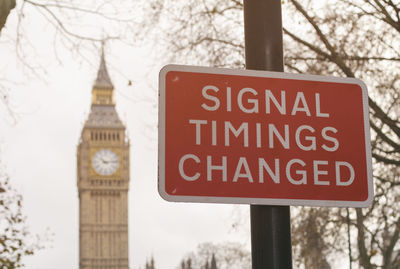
[(102, 93), (103, 80)]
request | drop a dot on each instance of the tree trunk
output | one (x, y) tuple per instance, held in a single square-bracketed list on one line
[(5, 8), (364, 259)]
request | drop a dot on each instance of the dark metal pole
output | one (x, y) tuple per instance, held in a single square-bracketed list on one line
[(270, 225), (263, 35)]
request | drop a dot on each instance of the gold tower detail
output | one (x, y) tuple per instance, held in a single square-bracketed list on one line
[(103, 182)]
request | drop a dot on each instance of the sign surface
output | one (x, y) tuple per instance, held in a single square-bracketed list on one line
[(258, 137)]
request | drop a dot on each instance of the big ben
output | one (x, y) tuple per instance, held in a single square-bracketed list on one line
[(103, 181)]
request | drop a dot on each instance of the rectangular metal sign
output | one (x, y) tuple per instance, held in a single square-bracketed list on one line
[(258, 137)]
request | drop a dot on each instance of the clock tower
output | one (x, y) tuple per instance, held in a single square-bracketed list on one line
[(103, 182)]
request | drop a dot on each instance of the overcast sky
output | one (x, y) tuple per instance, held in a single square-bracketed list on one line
[(39, 154)]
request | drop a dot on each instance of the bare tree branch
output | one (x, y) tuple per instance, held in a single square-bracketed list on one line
[(5, 8), (364, 257)]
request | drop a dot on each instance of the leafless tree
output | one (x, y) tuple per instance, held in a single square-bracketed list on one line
[(227, 255), (76, 28)]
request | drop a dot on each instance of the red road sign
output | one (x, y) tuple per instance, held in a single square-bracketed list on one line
[(257, 137)]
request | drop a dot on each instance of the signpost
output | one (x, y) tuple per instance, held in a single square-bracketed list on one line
[(257, 137), (271, 245)]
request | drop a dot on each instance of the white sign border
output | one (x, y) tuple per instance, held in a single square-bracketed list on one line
[(258, 201)]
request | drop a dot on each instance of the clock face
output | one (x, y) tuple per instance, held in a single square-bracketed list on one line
[(105, 162)]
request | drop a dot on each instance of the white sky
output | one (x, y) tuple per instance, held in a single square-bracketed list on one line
[(39, 153)]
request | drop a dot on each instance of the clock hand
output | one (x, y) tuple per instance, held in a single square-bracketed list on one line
[(107, 161)]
